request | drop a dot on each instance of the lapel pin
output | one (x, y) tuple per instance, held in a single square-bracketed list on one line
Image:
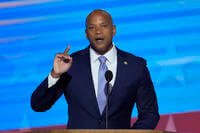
[(125, 63)]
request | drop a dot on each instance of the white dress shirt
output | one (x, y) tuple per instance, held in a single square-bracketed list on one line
[(111, 63)]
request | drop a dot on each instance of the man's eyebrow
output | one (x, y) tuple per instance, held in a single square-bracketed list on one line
[(105, 22)]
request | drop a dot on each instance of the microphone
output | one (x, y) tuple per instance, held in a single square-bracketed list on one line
[(108, 88), (108, 76)]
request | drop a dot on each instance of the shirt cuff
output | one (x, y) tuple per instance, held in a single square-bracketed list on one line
[(52, 81)]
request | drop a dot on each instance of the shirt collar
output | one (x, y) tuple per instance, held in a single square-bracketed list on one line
[(110, 55)]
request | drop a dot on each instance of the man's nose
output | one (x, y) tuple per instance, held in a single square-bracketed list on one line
[(98, 30)]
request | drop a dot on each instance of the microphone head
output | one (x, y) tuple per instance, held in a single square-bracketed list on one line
[(108, 75)]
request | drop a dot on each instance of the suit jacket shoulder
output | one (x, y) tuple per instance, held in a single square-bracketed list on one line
[(131, 57)]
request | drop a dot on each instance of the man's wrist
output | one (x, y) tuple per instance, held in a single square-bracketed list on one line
[(55, 75)]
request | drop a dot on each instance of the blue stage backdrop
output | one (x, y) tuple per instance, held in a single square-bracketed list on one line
[(165, 32)]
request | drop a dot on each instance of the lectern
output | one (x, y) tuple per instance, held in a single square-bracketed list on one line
[(97, 131)]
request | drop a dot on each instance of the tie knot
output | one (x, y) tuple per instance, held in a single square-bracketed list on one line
[(102, 59)]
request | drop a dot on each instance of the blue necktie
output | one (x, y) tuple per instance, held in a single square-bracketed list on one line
[(101, 97)]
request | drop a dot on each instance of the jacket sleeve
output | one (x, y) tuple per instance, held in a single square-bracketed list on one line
[(146, 103), (43, 97)]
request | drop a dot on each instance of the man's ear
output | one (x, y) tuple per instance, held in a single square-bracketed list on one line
[(114, 30), (86, 35)]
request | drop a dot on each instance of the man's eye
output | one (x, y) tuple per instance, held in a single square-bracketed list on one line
[(90, 27), (105, 25)]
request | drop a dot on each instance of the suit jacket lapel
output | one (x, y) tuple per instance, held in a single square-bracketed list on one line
[(91, 104), (120, 76)]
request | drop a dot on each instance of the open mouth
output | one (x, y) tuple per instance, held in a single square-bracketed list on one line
[(99, 39)]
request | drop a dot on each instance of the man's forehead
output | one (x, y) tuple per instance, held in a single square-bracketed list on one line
[(100, 13)]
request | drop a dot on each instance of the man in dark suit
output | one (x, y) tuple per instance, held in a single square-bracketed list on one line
[(83, 85)]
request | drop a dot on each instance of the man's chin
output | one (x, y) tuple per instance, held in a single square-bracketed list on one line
[(101, 51), (100, 48)]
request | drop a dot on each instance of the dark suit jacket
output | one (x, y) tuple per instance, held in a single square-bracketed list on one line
[(132, 85)]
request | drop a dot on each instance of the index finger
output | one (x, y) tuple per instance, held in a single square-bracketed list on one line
[(67, 50)]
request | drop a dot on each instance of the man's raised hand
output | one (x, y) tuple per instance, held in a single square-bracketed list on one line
[(62, 63)]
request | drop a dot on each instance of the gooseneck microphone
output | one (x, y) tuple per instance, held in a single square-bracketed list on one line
[(108, 76), (108, 89)]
